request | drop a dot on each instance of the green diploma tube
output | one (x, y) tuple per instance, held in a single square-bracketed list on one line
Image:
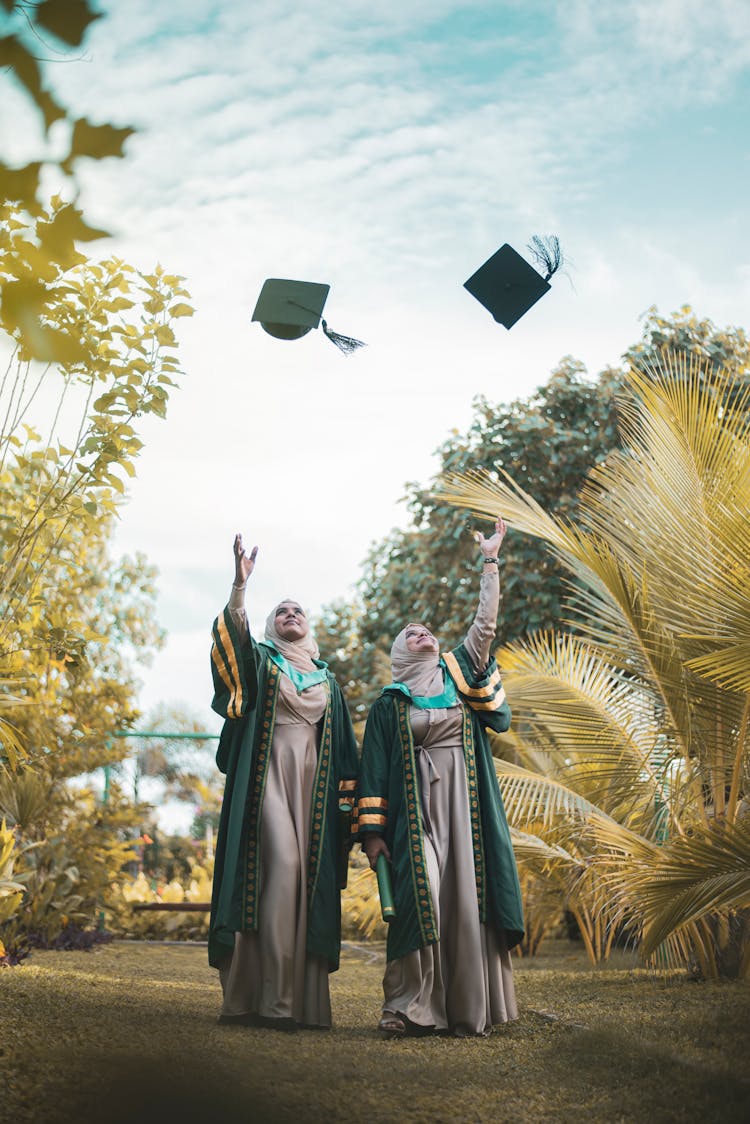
[(345, 827), (385, 889)]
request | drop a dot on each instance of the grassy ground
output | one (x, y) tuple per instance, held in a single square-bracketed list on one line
[(128, 1034)]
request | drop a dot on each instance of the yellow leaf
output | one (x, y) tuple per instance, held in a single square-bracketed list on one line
[(19, 184)]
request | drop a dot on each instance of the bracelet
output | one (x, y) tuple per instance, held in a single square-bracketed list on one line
[(492, 561)]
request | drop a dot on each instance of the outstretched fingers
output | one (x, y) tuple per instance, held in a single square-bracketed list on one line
[(243, 562)]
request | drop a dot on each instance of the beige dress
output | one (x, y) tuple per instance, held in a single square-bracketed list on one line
[(270, 973), (464, 983)]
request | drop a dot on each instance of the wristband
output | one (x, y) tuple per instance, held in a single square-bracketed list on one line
[(492, 561)]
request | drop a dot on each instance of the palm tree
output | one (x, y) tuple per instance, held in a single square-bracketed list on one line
[(631, 752)]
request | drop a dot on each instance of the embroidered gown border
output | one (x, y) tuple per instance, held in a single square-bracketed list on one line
[(320, 801), (420, 882), (250, 903), (472, 785), (418, 864), (255, 808)]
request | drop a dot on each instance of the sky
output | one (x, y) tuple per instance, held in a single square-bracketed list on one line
[(387, 150)]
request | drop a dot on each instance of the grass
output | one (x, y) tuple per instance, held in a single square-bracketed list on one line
[(127, 1034)]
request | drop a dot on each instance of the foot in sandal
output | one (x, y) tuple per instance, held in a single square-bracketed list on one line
[(392, 1025)]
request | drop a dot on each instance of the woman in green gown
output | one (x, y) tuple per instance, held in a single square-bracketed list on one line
[(428, 799), (289, 754)]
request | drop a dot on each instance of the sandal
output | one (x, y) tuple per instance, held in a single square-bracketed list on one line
[(392, 1025)]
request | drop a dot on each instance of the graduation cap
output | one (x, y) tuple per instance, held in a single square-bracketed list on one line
[(288, 310), (508, 286)]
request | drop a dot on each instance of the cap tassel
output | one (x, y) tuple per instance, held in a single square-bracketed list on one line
[(546, 253), (344, 343)]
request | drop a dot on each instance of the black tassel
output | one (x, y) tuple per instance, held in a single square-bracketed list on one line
[(343, 343), (546, 253)]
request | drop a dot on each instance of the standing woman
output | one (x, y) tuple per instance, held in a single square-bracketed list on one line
[(288, 750), (428, 799)]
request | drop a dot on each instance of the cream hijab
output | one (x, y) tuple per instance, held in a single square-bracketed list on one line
[(310, 705), (419, 671)]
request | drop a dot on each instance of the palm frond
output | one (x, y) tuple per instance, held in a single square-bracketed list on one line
[(704, 873), (729, 666), (607, 743), (539, 853), (531, 798), (677, 503), (11, 744), (617, 607)]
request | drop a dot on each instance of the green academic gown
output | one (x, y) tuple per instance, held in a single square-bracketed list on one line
[(246, 686), (389, 804)]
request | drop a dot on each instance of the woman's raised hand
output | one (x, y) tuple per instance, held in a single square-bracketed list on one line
[(244, 564), (491, 547)]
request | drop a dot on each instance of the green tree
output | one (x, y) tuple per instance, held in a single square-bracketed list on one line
[(686, 335)]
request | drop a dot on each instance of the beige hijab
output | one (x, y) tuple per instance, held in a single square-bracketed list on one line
[(419, 671), (310, 705)]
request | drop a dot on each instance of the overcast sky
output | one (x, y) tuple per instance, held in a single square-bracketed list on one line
[(388, 150)]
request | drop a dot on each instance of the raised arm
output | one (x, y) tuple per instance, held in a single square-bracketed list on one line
[(479, 636), (233, 662), (244, 564)]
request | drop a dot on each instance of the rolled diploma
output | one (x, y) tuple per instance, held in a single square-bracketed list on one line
[(345, 821), (385, 889)]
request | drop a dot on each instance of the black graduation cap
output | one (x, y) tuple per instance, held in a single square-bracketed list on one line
[(508, 286), (288, 310)]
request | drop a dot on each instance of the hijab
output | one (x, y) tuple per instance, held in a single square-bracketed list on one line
[(421, 672), (310, 704), (300, 653)]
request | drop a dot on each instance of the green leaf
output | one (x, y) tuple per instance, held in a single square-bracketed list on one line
[(181, 310)]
